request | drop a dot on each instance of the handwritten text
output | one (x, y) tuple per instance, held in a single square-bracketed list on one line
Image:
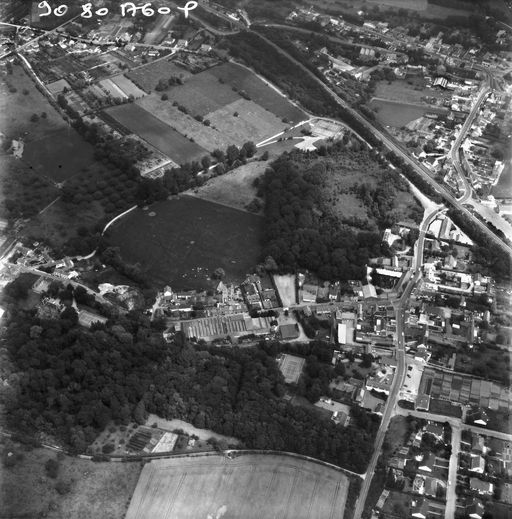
[(126, 9)]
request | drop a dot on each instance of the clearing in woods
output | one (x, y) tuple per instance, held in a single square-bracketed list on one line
[(235, 188), (248, 486)]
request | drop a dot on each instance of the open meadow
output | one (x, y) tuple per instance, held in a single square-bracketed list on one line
[(244, 120), (249, 486), (398, 114), (244, 80), (51, 147), (95, 489), (235, 188), (180, 242), (156, 133), (147, 76)]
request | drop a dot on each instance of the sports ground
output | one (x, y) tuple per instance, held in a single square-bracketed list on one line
[(249, 486)]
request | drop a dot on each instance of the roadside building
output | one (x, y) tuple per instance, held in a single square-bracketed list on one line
[(427, 463), (477, 464), (481, 487)]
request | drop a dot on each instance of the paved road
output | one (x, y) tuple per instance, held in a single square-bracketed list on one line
[(391, 403), (455, 151), (66, 281), (451, 496), (454, 422)]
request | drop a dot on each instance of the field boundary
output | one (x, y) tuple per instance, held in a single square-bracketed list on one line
[(147, 458)]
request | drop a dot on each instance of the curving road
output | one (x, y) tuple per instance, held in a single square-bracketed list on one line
[(455, 151), (397, 148)]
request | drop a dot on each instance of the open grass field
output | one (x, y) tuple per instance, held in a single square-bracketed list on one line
[(51, 148), (252, 486), (243, 79), (398, 114), (252, 122), (96, 489), (235, 188), (59, 162), (202, 93), (156, 133), (147, 77), (411, 90), (187, 239)]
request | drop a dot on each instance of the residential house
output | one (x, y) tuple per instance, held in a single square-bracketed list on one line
[(431, 486), (478, 417), (478, 444), (477, 464), (428, 462), (436, 430), (420, 510), (475, 509), (418, 485), (482, 487)]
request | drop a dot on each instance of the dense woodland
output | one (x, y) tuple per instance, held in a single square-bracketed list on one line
[(301, 231), (71, 382)]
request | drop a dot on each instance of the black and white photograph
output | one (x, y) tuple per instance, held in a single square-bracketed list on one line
[(256, 259)]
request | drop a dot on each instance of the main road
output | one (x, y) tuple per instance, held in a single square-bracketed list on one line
[(391, 402), (455, 150)]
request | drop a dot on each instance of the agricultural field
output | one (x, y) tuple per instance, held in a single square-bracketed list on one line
[(127, 86), (95, 489), (235, 188), (156, 133), (202, 93), (181, 241), (258, 90), (207, 137), (244, 120), (251, 486), (147, 76)]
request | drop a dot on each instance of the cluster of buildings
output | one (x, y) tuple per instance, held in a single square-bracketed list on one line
[(484, 467), (483, 148), (418, 472)]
